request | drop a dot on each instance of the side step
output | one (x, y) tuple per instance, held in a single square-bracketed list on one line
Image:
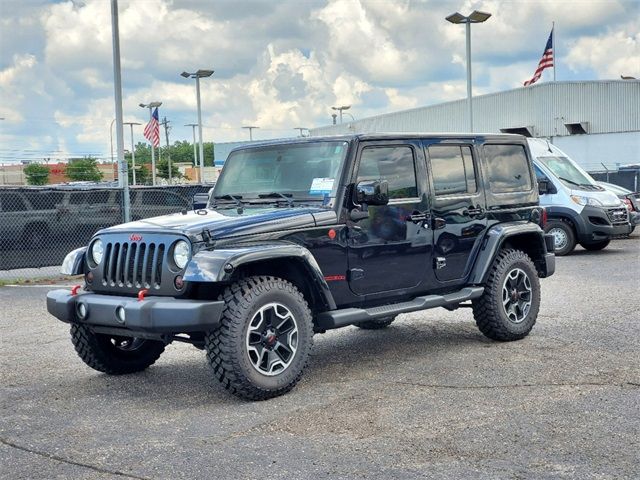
[(349, 316)]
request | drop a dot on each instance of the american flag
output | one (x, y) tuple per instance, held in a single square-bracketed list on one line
[(545, 62), (152, 130)]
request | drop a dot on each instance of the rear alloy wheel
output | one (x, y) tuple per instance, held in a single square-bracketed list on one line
[(595, 246), (264, 340), (508, 308), (377, 324), (563, 236)]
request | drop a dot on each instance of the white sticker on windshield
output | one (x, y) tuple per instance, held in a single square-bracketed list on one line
[(321, 186)]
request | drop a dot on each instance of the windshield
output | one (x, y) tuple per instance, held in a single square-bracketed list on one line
[(275, 173), (567, 171)]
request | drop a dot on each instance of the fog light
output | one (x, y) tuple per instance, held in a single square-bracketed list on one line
[(89, 277), (120, 316), (82, 311), (179, 282)]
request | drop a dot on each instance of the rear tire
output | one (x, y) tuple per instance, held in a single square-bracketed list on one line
[(264, 340), (508, 308), (592, 247), (377, 324), (114, 355), (564, 236)]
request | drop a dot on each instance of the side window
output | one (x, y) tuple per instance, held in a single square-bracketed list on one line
[(539, 173), (11, 202), (396, 165), (452, 169), (508, 168)]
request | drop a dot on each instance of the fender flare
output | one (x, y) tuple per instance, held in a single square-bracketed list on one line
[(493, 241), (578, 221), (73, 263), (219, 264)]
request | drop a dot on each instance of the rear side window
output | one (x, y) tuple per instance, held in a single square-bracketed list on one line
[(508, 168), (393, 164), (452, 169), (11, 202)]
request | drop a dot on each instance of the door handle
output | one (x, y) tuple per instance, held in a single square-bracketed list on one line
[(474, 211), (418, 217)]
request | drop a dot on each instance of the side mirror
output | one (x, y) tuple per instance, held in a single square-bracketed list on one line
[(200, 201), (545, 186), (372, 192)]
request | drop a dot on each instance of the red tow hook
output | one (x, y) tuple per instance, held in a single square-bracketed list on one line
[(74, 290), (141, 294)]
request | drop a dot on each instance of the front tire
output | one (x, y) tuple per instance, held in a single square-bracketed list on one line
[(595, 246), (563, 235), (377, 324), (508, 308), (264, 340), (114, 355)]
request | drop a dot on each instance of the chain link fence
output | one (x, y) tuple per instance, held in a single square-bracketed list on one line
[(40, 225)]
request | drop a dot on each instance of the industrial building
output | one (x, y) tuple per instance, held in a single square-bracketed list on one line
[(597, 123)]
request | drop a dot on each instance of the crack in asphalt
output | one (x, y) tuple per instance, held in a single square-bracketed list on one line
[(70, 462), (519, 385)]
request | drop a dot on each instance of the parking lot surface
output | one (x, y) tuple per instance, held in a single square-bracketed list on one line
[(427, 397)]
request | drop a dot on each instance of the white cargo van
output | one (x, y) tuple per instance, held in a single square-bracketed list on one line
[(578, 209)]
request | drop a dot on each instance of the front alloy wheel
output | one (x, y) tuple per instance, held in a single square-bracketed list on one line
[(264, 340), (272, 339)]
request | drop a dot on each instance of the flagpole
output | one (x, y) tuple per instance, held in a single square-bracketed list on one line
[(553, 45)]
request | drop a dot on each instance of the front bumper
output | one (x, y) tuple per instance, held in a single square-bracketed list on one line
[(151, 315), (598, 225)]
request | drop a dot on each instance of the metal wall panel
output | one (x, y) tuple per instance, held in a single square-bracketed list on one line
[(608, 106)]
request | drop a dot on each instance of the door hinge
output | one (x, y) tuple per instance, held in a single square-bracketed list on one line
[(439, 262)]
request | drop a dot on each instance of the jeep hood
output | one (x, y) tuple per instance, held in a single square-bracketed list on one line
[(224, 223)]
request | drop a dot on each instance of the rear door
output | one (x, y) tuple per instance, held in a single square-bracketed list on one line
[(459, 208)]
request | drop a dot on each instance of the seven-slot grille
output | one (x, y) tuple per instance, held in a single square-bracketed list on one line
[(133, 264), (618, 216)]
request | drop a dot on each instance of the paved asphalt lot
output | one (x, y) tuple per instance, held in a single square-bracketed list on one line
[(429, 397)]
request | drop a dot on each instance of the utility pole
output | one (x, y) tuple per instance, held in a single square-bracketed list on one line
[(165, 123), (195, 151)]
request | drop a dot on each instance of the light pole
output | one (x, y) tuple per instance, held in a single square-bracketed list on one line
[(341, 109), (111, 139), (250, 132), (195, 154), (133, 151), (198, 75), (151, 106), (475, 17), (123, 177), (301, 130)]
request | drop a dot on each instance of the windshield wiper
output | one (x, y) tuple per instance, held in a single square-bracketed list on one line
[(285, 196), (569, 181), (227, 196)]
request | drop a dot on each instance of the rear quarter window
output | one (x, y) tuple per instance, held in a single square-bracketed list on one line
[(508, 167)]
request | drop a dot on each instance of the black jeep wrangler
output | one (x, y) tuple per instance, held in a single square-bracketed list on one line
[(306, 235)]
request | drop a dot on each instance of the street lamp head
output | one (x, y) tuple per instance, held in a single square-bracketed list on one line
[(479, 17), (456, 18), (155, 104), (142, 105), (185, 74), (343, 107), (204, 73)]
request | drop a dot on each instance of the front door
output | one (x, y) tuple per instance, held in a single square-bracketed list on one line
[(458, 213), (390, 249)]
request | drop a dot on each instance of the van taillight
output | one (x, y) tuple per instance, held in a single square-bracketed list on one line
[(543, 217)]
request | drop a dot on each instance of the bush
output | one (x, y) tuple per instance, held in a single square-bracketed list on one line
[(36, 174)]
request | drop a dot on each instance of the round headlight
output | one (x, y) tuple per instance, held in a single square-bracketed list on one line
[(181, 253), (97, 251)]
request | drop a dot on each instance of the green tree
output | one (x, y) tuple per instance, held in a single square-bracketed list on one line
[(36, 174), (162, 167), (83, 169), (143, 174)]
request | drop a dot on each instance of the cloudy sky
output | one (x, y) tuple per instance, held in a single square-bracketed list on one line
[(279, 64)]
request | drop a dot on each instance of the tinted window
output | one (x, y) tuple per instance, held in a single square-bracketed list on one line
[(508, 168), (393, 164), (11, 202), (452, 168), (44, 200), (78, 198)]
